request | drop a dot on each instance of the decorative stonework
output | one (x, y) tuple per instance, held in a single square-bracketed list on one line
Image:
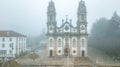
[(66, 28)]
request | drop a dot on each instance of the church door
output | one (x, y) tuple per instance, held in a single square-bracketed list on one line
[(66, 51), (83, 53), (51, 53)]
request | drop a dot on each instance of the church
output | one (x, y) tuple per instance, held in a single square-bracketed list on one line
[(67, 40), (67, 45)]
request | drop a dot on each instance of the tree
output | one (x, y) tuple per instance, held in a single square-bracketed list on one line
[(105, 35), (100, 28)]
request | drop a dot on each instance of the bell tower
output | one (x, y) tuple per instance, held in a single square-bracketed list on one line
[(81, 14), (51, 29), (82, 27), (51, 17)]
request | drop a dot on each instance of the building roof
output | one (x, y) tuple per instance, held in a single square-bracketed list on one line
[(10, 33)]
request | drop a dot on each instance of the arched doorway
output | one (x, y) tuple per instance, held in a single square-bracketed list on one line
[(51, 53), (83, 53), (66, 51)]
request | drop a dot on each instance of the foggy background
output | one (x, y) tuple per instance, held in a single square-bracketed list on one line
[(29, 16)]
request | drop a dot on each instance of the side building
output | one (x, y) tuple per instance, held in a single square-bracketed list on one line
[(12, 44)]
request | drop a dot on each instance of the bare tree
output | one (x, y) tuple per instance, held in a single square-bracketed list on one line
[(33, 56)]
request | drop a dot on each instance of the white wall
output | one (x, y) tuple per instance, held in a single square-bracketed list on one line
[(7, 43), (18, 43)]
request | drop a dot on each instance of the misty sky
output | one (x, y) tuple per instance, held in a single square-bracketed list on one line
[(29, 16)]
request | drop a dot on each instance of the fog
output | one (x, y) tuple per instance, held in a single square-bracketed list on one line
[(29, 16)]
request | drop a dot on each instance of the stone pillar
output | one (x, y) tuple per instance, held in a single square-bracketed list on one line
[(78, 46), (55, 46)]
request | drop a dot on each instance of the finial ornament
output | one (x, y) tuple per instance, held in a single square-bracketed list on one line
[(51, 1), (82, 1), (115, 14), (62, 21), (66, 17), (70, 21)]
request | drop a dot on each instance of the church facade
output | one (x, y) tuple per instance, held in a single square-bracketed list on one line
[(67, 40)]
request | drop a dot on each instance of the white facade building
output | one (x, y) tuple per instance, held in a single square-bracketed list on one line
[(12, 44)]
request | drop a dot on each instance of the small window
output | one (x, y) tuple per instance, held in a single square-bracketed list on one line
[(3, 39), (10, 52), (3, 52), (3, 45), (11, 45), (10, 39)]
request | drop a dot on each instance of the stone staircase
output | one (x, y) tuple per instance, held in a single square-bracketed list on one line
[(68, 62)]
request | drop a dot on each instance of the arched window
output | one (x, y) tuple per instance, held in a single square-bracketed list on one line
[(74, 43), (59, 43), (82, 42), (51, 43)]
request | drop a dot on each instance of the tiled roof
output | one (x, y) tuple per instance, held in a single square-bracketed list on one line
[(11, 34)]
